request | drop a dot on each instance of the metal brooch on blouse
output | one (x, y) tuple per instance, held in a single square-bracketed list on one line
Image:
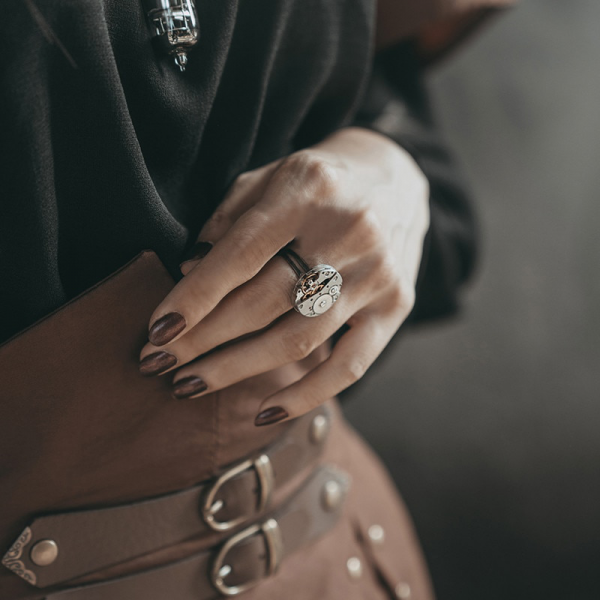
[(175, 24)]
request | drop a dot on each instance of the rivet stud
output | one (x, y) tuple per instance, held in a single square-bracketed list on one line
[(332, 495), (354, 567), (376, 534), (318, 429), (402, 591), (44, 553)]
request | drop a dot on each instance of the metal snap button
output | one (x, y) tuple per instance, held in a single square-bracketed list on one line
[(402, 591), (44, 553), (376, 534), (318, 429), (332, 495), (354, 567)]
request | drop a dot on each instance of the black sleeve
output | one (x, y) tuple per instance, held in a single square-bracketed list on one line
[(396, 104)]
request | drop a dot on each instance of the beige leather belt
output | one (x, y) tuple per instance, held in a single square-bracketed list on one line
[(243, 560), (58, 548)]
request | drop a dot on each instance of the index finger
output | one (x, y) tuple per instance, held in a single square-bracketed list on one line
[(243, 251)]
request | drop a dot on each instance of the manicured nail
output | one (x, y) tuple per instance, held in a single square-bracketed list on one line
[(156, 363), (270, 416), (196, 252), (166, 328), (188, 386)]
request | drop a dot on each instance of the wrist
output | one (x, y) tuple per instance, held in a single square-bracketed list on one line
[(400, 161), (369, 148)]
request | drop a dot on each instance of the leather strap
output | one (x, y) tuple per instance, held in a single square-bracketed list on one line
[(90, 540), (243, 561)]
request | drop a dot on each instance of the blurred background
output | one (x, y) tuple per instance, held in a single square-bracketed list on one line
[(490, 423)]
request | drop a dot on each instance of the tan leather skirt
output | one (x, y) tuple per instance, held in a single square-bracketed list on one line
[(108, 484)]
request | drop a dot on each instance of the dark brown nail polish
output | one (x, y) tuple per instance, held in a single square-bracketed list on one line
[(270, 416), (166, 328), (189, 386), (196, 252), (156, 363)]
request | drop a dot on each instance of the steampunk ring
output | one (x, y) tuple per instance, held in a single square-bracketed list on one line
[(317, 288)]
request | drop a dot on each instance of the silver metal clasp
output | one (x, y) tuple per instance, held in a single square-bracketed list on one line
[(274, 543), (266, 482)]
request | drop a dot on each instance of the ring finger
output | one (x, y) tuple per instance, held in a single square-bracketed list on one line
[(291, 338)]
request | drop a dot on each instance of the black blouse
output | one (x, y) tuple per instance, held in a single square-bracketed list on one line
[(107, 149)]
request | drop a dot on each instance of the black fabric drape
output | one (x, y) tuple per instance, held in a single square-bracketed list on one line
[(109, 150)]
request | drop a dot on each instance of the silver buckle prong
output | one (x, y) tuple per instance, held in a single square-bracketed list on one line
[(266, 480), (274, 541)]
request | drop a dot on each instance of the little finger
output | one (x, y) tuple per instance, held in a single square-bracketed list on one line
[(353, 354)]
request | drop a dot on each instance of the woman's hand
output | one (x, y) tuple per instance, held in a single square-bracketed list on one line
[(356, 201)]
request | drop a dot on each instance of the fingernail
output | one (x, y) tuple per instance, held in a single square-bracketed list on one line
[(156, 363), (196, 252), (166, 328), (189, 386), (270, 416)]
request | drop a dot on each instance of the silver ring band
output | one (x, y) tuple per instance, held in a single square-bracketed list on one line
[(296, 262)]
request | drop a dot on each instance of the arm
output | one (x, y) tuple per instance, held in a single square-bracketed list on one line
[(396, 104), (410, 36)]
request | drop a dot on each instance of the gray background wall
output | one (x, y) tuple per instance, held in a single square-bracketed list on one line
[(490, 423)]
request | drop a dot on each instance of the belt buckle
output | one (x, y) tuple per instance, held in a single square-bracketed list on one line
[(274, 542), (266, 479)]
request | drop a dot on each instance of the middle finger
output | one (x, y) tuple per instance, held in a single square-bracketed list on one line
[(247, 309), (291, 338)]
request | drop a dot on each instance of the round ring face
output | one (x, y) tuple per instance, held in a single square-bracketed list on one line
[(317, 290)]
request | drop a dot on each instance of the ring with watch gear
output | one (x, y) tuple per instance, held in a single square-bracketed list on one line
[(317, 290)]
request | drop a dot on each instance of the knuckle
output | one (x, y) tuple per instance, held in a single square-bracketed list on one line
[(384, 273), (297, 346), (244, 246), (220, 218), (244, 178), (402, 297), (257, 221), (252, 241), (317, 174), (397, 290), (240, 183), (367, 228), (354, 369), (263, 304), (321, 174), (253, 307)]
